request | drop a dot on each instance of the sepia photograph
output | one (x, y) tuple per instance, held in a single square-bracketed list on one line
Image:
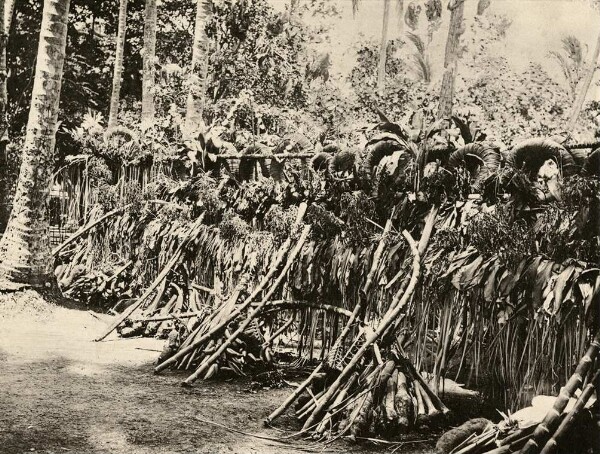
[(299, 226)]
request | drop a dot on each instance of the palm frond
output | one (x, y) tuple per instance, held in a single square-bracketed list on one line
[(417, 42), (422, 67), (573, 48), (355, 4)]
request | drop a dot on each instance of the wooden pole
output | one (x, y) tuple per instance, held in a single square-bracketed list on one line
[(581, 95), (551, 421)]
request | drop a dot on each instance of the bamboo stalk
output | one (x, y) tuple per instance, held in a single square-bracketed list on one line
[(385, 323), (550, 422), (223, 323), (166, 270), (255, 311), (292, 397), (88, 227), (554, 442)]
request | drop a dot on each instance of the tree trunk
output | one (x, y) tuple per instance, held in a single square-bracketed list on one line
[(7, 13), (118, 70), (3, 104), (24, 248), (149, 61), (3, 73), (383, 48), (9, 10), (585, 87), (199, 70), (451, 58)]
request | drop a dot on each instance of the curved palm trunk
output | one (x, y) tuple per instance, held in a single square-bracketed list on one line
[(24, 248), (585, 87), (118, 71), (383, 48), (149, 57), (199, 69), (450, 61)]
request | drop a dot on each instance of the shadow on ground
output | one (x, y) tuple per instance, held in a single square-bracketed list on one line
[(62, 392)]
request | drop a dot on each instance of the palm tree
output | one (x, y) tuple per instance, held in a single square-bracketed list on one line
[(383, 48), (3, 74), (24, 248), (149, 60), (118, 71), (9, 9), (451, 58), (199, 69), (384, 41), (6, 12), (585, 87), (571, 61)]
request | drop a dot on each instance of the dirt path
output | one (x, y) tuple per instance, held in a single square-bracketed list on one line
[(61, 392)]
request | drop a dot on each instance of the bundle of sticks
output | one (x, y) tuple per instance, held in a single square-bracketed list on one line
[(96, 288), (548, 435), (386, 398), (225, 336), (357, 392)]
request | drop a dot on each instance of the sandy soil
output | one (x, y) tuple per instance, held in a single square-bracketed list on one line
[(61, 392)]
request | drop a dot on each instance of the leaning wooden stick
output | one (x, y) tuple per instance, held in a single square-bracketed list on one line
[(385, 323), (377, 256), (88, 227), (554, 442), (550, 422), (300, 389), (158, 281), (163, 274), (220, 327), (242, 327)]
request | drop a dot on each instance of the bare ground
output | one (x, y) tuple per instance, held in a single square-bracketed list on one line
[(61, 392)]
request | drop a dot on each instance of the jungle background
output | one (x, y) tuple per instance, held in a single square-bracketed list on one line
[(311, 67)]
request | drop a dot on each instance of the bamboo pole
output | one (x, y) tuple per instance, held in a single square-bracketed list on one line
[(550, 422), (292, 397), (158, 281), (207, 363), (554, 442), (385, 323), (223, 324), (163, 274)]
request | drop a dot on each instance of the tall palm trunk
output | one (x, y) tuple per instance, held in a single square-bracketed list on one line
[(3, 73), (9, 9), (24, 248), (383, 48), (118, 70), (6, 13), (199, 69), (149, 61), (585, 87), (451, 58)]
